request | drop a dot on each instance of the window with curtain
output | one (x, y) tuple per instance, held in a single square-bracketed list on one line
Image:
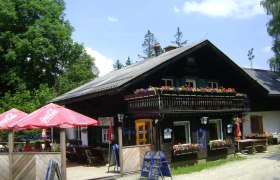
[(182, 132)]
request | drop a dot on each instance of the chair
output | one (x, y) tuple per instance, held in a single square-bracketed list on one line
[(90, 158)]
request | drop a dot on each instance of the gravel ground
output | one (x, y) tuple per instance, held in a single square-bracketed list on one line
[(260, 166)]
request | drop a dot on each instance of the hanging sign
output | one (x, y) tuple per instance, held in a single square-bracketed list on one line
[(167, 133), (105, 121)]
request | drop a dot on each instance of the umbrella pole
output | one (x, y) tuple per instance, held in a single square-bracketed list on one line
[(63, 154), (52, 134), (109, 156), (11, 149)]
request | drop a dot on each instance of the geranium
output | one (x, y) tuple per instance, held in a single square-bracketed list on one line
[(183, 148), (259, 135), (220, 143), (187, 88)]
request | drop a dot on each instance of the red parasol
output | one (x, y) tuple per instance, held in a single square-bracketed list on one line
[(53, 115), (110, 132), (9, 117)]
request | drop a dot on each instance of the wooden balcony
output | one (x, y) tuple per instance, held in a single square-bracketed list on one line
[(159, 101)]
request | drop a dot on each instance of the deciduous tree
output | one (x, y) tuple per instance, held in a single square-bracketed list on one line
[(273, 28)]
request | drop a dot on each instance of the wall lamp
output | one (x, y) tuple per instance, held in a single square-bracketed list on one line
[(203, 120), (120, 117)]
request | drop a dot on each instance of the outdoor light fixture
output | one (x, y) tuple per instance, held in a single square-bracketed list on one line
[(229, 128), (120, 117), (203, 120)]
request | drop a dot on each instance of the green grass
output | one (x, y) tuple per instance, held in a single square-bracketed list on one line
[(207, 165)]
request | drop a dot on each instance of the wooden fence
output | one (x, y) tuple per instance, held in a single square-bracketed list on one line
[(29, 165)]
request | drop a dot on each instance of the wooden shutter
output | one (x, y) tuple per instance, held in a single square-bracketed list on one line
[(256, 124)]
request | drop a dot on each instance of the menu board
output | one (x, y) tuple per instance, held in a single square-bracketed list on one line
[(154, 164), (146, 164), (201, 137)]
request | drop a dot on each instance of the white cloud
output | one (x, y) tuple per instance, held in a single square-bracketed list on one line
[(225, 8), (104, 64), (112, 19), (176, 10), (267, 49)]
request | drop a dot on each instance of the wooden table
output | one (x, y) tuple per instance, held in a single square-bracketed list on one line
[(250, 145)]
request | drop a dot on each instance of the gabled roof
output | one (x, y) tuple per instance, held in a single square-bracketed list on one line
[(265, 78), (124, 75), (113, 82)]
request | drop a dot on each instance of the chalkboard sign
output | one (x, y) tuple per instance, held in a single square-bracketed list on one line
[(154, 165), (201, 137), (146, 164)]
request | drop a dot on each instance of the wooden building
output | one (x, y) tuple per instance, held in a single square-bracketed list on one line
[(192, 122)]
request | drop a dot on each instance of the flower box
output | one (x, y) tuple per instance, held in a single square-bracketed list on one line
[(182, 149), (219, 144)]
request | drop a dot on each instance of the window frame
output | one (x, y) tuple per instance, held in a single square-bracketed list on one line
[(193, 81), (187, 127), (167, 79), (216, 121), (211, 84), (105, 132)]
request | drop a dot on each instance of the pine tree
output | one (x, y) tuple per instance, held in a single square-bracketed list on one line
[(117, 65), (128, 61), (179, 36), (148, 45)]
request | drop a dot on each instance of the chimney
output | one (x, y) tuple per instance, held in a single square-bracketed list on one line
[(157, 49), (169, 48)]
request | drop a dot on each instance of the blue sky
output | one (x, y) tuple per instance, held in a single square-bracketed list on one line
[(112, 30)]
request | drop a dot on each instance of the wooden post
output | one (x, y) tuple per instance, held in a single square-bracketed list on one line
[(120, 149), (63, 154), (11, 149)]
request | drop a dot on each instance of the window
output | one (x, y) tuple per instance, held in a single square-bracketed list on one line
[(182, 132), (167, 82), (77, 132), (213, 85), (191, 83), (105, 132), (256, 124), (215, 129)]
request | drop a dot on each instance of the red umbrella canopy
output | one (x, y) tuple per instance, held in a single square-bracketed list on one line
[(9, 117), (53, 115)]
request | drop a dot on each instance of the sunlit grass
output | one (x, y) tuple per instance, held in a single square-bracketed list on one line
[(207, 165)]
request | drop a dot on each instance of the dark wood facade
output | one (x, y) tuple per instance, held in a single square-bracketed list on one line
[(203, 63)]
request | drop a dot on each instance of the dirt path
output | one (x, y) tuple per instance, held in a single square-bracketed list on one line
[(261, 166)]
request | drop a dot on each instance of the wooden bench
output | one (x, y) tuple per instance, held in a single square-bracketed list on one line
[(251, 146)]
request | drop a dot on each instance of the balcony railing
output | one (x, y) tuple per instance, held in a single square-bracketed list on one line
[(163, 101)]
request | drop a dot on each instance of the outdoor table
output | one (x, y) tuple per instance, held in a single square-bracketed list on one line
[(245, 144)]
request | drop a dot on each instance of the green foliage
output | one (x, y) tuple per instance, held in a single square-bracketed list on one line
[(26, 100), (39, 60), (117, 65), (148, 45), (273, 28), (179, 38)]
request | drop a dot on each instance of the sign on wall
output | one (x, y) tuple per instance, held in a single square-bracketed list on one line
[(105, 121), (167, 133), (201, 137)]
